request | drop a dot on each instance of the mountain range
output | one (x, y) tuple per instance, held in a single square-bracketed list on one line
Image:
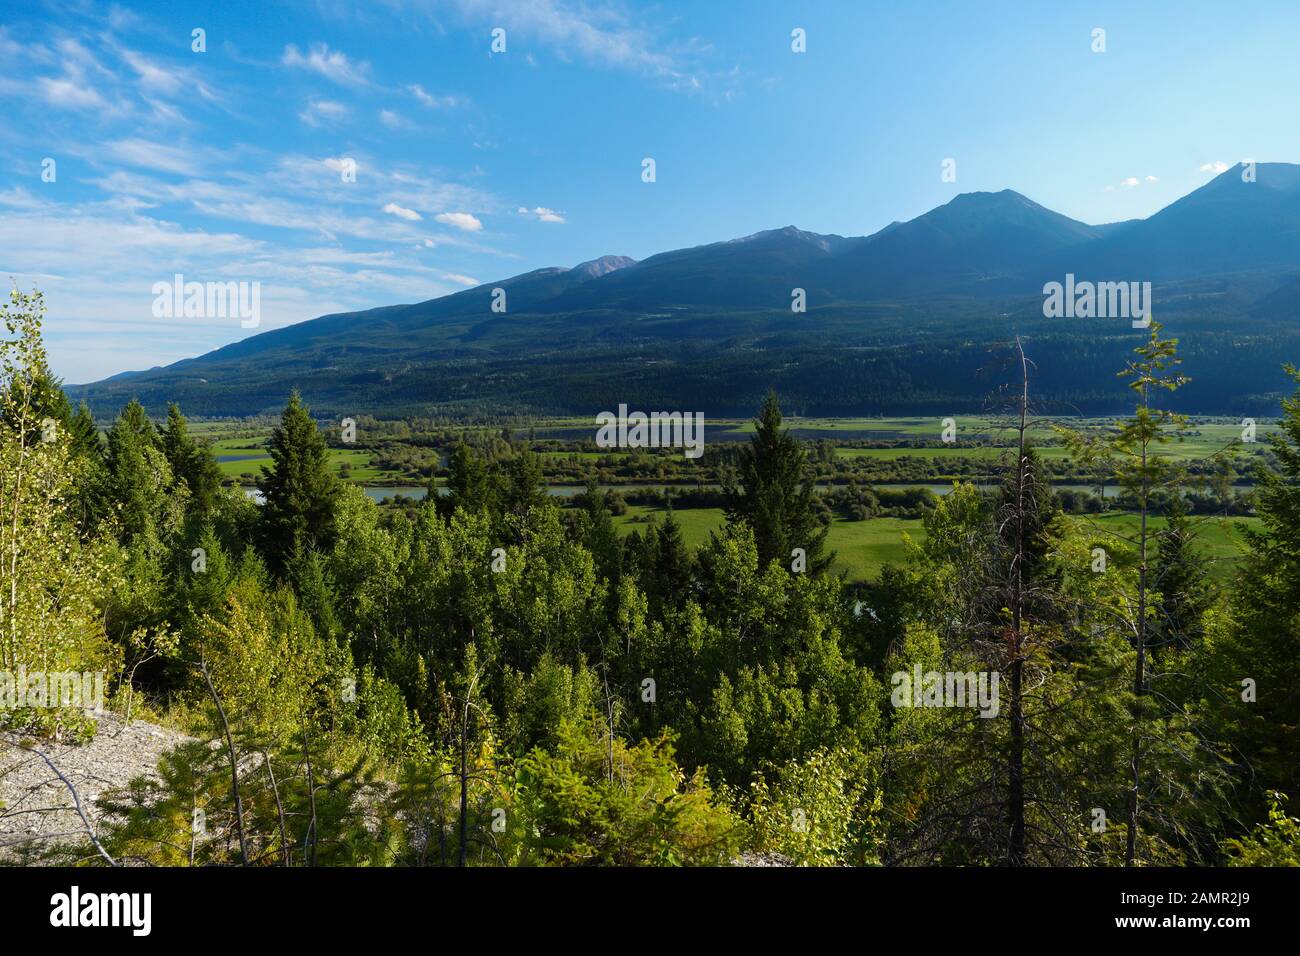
[(902, 320)]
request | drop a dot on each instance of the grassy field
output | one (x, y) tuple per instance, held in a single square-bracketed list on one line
[(863, 547), (939, 453), (1219, 540), (358, 460)]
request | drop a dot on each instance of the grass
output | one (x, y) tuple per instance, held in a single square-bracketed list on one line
[(696, 523), (946, 451), (1219, 540), (358, 460), (861, 547)]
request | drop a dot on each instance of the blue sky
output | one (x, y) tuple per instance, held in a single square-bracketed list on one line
[(225, 165)]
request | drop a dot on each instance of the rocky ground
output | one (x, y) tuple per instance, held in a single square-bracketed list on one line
[(37, 808)]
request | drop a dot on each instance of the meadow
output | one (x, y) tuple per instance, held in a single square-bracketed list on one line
[(862, 548)]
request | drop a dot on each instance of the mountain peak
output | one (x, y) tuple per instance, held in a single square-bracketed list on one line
[(980, 214), (604, 265), (1002, 199), (789, 236), (785, 232)]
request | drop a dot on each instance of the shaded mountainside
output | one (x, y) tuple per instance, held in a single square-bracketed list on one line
[(905, 320)]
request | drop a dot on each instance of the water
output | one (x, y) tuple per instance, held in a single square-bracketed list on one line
[(380, 493)]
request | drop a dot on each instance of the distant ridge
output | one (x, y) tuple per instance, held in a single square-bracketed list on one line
[(1227, 254)]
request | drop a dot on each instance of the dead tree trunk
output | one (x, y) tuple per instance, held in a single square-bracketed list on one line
[(1016, 758)]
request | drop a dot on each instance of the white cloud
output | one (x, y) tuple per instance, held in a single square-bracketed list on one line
[(1152, 179), (70, 94), (394, 120), (97, 266), (323, 111), (152, 76), (1131, 182), (542, 214), (460, 279), (1218, 166), (141, 152), (431, 101), (336, 164), (460, 220), (402, 212), (165, 81), (595, 31), (331, 64)]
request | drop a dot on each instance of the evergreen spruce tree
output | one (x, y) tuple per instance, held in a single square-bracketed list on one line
[(191, 462), (672, 564), (84, 435), (1262, 643), (138, 477), (469, 485), (773, 493), (599, 535), (298, 490), (525, 484), (1184, 585)]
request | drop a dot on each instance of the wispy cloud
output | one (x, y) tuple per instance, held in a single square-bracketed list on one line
[(395, 120), (319, 112), (331, 64), (1218, 166), (140, 194), (70, 94), (591, 31), (150, 155), (157, 78), (434, 102)]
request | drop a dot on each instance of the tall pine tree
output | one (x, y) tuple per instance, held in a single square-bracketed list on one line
[(298, 490), (772, 491), (191, 462)]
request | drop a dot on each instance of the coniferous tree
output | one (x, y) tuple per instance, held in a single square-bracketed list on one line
[(299, 491), (672, 563), (773, 492), (598, 533), (191, 462), (1258, 658), (85, 435), (525, 487), (1186, 591), (139, 478), (469, 485)]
